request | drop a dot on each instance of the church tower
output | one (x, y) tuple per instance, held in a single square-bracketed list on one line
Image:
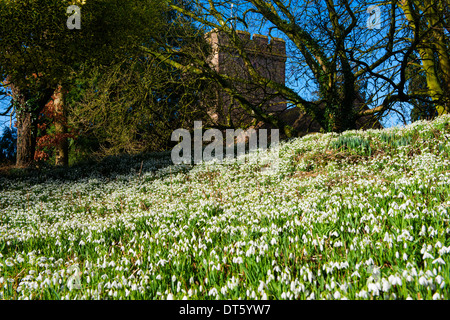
[(268, 58)]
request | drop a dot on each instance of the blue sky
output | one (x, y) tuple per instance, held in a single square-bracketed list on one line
[(4, 121)]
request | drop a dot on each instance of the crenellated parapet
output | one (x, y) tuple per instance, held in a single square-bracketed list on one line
[(256, 44), (268, 58)]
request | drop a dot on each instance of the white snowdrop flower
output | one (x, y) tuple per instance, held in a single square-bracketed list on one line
[(213, 292), (261, 286), (158, 277), (264, 296), (283, 296), (312, 296), (395, 280), (169, 296), (439, 260), (369, 262), (273, 241), (127, 292), (363, 294), (134, 287), (423, 281), (46, 282), (375, 272), (444, 250), (238, 260), (184, 298), (405, 257), (343, 287), (190, 292), (426, 255), (409, 298), (374, 288), (138, 262), (422, 231), (436, 296), (81, 243), (337, 295), (356, 274), (385, 285), (332, 284), (438, 245), (174, 278), (438, 279), (292, 286)]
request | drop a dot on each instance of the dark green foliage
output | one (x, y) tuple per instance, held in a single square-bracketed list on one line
[(352, 144)]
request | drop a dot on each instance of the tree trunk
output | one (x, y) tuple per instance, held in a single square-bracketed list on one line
[(60, 121), (26, 134), (27, 120), (26, 143)]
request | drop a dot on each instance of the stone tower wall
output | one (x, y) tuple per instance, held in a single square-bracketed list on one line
[(269, 60)]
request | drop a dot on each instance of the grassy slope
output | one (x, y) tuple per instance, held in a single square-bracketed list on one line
[(355, 216)]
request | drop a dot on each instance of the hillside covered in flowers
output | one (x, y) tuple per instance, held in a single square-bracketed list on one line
[(360, 215)]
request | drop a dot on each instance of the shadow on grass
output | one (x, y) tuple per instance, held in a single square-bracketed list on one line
[(142, 166)]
